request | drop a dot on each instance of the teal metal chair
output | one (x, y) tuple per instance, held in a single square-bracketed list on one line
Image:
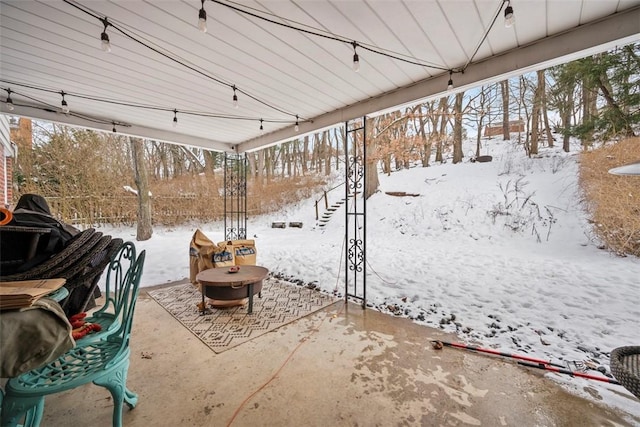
[(115, 295), (104, 362)]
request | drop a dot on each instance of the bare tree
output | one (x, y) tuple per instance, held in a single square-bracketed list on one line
[(536, 113), (478, 110), (305, 154), (442, 112), (504, 88), (371, 169), (545, 109), (457, 129), (144, 231), (522, 108)]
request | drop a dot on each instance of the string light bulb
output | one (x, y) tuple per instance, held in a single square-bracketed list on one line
[(175, 118), (104, 37), (10, 105), (65, 106), (356, 58), (297, 128), (261, 127), (509, 17), (114, 127), (202, 18), (235, 97), (450, 82)]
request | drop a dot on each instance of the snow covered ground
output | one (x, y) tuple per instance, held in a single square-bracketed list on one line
[(500, 253)]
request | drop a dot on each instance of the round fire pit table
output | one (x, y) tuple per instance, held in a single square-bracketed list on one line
[(226, 285)]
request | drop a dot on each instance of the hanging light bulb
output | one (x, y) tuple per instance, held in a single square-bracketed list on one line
[(297, 128), (10, 105), (235, 98), (104, 37), (509, 17), (202, 18), (450, 82), (261, 127), (175, 118), (356, 58), (65, 106), (114, 127)]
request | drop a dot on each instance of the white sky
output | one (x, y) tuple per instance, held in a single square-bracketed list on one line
[(560, 298)]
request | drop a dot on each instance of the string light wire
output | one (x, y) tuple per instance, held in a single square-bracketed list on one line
[(183, 63), (330, 36), (174, 59), (53, 109), (485, 35), (141, 106)]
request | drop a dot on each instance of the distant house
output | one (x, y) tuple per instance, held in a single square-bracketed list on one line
[(496, 128), (12, 131), (8, 152)]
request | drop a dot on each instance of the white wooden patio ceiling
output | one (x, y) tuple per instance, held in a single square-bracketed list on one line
[(303, 68)]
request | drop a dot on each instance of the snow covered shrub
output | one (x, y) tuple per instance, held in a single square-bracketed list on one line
[(519, 212)]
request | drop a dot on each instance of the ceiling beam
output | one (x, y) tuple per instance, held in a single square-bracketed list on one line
[(615, 30), (36, 112)]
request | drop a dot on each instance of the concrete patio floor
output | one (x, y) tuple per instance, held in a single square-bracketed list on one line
[(341, 366)]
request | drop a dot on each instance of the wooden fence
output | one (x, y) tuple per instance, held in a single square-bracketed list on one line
[(91, 211)]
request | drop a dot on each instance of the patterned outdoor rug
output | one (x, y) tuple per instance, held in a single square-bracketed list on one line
[(282, 302)]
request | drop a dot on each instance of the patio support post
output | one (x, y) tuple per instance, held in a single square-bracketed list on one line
[(235, 196), (355, 211)]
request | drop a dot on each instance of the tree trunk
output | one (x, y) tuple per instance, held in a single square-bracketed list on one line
[(260, 169), (457, 129), (426, 144), (542, 84), (270, 163), (479, 136), (251, 165), (443, 111), (533, 146), (338, 135), (504, 86), (144, 231), (295, 157), (566, 114), (210, 158), (371, 170), (587, 111), (327, 153), (618, 114), (535, 113), (286, 164), (484, 105), (315, 154), (305, 154)]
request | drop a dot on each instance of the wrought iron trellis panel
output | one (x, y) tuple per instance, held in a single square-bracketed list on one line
[(235, 196), (355, 211)]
